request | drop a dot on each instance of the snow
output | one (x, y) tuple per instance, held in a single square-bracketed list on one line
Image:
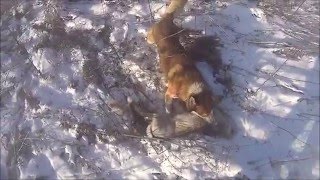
[(45, 98)]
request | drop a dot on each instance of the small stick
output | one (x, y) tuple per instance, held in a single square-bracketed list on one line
[(290, 133), (270, 43), (273, 74), (281, 76), (282, 161), (314, 115), (151, 14), (149, 138), (295, 11), (172, 34)]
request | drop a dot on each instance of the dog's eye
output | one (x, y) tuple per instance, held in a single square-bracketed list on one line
[(196, 98), (190, 103)]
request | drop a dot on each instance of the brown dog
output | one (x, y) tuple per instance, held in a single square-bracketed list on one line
[(184, 81)]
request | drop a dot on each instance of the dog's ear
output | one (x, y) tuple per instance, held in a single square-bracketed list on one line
[(150, 37), (196, 88), (190, 103)]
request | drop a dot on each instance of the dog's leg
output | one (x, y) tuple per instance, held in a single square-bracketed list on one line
[(170, 94), (175, 7), (168, 102), (150, 38), (190, 104)]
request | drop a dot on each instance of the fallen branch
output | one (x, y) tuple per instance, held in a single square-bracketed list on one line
[(282, 44), (277, 75), (273, 74), (294, 136), (267, 73), (295, 11), (273, 162), (151, 13), (172, 34), (308, 114), (253, 109)]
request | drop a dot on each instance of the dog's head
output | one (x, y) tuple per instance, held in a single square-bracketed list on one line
[(199, 99), (164, 29), (187, 84)]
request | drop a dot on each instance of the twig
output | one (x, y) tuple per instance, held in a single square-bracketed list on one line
[(286, 118), (151, 14), (264, 42), (149, 138), (156, 10), (247, 71), (289, 133), (290, 78), (226, 35), (308, 114), (268, 73), (172, 34), (116, 52), (282, 127), (295, 11), (22, 144), (270, 43), (174, 165), (271, 75), (272, 162)]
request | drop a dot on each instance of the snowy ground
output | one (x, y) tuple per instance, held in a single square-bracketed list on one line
[(67, 67)]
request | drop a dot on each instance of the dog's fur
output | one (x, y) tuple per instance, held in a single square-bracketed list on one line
[(175, 6), (205, 48), (184, 81)]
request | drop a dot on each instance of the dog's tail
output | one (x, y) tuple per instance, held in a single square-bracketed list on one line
[(175, 7)]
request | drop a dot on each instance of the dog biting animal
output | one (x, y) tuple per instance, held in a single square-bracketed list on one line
[(179, 123), (162, 125)]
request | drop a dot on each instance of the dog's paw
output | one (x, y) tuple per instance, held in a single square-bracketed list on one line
[(149, 131), (168, 107), (168, 103)]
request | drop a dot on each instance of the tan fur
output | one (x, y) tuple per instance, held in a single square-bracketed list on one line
[(150, 39), (176, 7), (196, 88)]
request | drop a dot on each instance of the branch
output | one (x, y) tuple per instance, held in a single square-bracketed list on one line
[(294, 136), (295, 11), (273, 162), (271, 75), (151, 14), (172, 34), (282, 44), (265, 72)]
